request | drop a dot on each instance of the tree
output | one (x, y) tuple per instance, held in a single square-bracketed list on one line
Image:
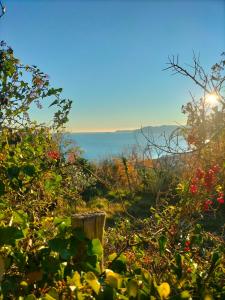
[(21, 86), (206, 116)]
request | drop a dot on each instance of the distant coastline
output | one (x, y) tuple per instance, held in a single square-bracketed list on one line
[(145, 128), (101, 145)]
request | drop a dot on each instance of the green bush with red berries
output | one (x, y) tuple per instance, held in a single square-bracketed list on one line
[(168, 255)]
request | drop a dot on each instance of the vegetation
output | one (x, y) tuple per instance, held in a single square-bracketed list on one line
[(165, 239)]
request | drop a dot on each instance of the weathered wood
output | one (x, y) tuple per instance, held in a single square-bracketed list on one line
[(92, 224)]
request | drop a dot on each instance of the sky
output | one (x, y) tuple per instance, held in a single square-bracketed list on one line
[(109, 56)]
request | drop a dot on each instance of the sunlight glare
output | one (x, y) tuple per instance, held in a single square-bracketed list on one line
[(212, 99)]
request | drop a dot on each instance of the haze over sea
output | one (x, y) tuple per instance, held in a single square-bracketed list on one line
[(101, 145)]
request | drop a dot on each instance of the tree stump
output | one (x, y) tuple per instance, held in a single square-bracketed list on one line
[(92, 224)]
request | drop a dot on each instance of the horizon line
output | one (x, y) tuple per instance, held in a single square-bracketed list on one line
[(116, 129)]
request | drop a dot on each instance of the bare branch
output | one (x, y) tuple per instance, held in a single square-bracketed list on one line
[(3, 9)]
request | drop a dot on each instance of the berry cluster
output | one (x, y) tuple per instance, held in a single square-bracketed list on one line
[(187, 246), (204, 182), (54, 154)]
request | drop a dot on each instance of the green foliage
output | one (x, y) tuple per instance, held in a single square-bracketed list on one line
[(18, 94), (169, 254)]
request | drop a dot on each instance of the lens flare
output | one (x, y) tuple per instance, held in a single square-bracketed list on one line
[(212, 99)]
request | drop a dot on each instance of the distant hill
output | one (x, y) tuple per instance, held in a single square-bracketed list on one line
[(152, 129)]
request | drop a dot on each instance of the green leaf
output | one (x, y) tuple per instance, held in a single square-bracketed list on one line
[(53, 183), (29, 170), (179, 261), (2, 215), (13, 172), (65, 220), (30, 297), (74, 244), (9, 235), (51, 92), (52, 294), (109, 293), (91, 264), (65, 254), (119, 265), (79, 234), (185, 295), (112, 256), (113, 279), (62, 224), (95, 248), (145, 275), (162, 244), (143, 295), (2, 188), (20, 218), (50, 264), (54, 103), (215, 257), (48, 297), (58, 244), (132, 288)]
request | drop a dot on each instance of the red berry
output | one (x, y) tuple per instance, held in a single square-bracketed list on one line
[(207, 204), (215, 168), (200, 173), (193, 189), (220, 200), (53, 154), (187, 243), (189, 270)]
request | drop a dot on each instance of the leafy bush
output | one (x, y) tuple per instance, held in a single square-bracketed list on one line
[(169, 254)]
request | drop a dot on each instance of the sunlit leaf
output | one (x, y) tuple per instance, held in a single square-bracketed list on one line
[(75, 280), (52, 294), (93, 282), (30, 297), (95, 248), (163, 290), (113, 279), (132, 288), (185, 295), (20, 218)]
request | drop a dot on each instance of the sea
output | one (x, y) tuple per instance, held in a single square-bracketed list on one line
[(98, 146)]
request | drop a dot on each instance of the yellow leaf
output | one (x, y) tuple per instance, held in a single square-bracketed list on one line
[(185, 295), (208, 297), (132, 288), (23, 284), (164, 290), (113, 279), (93, 282), (219, 188), (75, 280)]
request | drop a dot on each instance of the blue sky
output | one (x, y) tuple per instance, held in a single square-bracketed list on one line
[(108, 55)]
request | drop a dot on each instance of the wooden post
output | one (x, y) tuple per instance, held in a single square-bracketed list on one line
[(92, 224)]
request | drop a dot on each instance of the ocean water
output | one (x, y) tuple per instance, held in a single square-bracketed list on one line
[(102, 145)]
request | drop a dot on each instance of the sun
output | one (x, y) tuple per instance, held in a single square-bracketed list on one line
[(212, 99)]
